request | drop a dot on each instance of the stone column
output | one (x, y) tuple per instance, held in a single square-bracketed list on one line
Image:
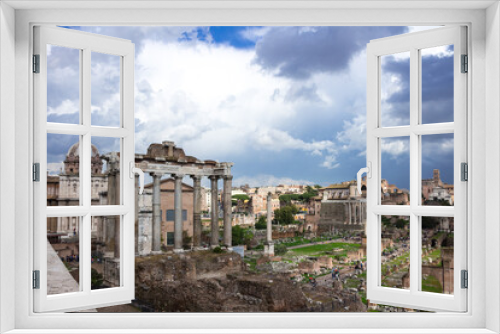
[(178, 213), (228, 180), (269, 245), (156, 244), (350, 213), (355, 212), (214, 228), (196, 211)]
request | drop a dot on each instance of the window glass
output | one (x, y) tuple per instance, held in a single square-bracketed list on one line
[(63, 170), (63, 255), (106, 98), (395, 89), (437, 254), (106, 250), (395, 166), (63, 85), (437, 84), (437, 169), (395, 246), (105, 171)]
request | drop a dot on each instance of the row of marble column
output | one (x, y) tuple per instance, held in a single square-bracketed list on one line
[(197, 204), (355, 212)]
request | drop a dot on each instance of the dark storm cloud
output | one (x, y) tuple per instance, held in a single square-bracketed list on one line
[(437, 89), (396, 107), (437, 106), (303, 92), (297, 53)]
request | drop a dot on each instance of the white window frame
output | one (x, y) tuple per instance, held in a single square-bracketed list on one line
[(376, 132), (483, 20), (86, 44)]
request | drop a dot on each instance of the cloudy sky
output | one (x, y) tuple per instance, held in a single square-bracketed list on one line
[(285, 104)]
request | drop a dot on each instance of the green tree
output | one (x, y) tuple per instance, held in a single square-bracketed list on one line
[(284, 215), (241, 235), (96, 279), (280, 249), (240, 197), (261, 223), (429, 223)]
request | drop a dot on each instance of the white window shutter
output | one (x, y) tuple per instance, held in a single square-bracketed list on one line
[(414, 297), (56, 290)]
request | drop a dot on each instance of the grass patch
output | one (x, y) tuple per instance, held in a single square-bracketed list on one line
[(315, 249), (251, 262), (435, 255), (431, 284)]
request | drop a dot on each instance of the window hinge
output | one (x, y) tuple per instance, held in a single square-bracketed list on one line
[(36, 279), (465, 279), (465, 63), (36, 63), (36, 172), (464, 170)]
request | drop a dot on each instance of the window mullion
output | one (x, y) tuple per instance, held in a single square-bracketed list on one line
[(414, 169)]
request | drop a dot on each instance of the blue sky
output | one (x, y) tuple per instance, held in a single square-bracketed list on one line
[(285, 104)]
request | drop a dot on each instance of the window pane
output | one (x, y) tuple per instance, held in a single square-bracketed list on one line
[(395, 247), (437, 170), (437, 254), (63, 255), (105, 90), (395, 89), (170, 215), (105, 173), (437, 84), (395, 167), (63, 168), (105, 252), (63, 85)]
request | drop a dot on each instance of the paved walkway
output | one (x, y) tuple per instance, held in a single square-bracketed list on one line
[(59, 280)]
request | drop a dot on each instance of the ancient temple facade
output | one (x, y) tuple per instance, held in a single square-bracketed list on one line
[(166, 159)]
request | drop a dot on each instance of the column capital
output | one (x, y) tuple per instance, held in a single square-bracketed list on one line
[(227, 177), (214, 177), (153, 174), (178, 176), (196, 177)]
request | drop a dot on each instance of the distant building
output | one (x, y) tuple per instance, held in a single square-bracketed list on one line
[(436, 190), (343, 208)]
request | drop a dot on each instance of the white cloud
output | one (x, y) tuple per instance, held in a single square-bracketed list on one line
[(395, 146), (353, 135), (330, 162), (254, 33), (55, 168), (65, 107), (212, 101)]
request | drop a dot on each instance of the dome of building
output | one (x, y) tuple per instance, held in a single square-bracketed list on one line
[(74, 150), (72, 161)]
